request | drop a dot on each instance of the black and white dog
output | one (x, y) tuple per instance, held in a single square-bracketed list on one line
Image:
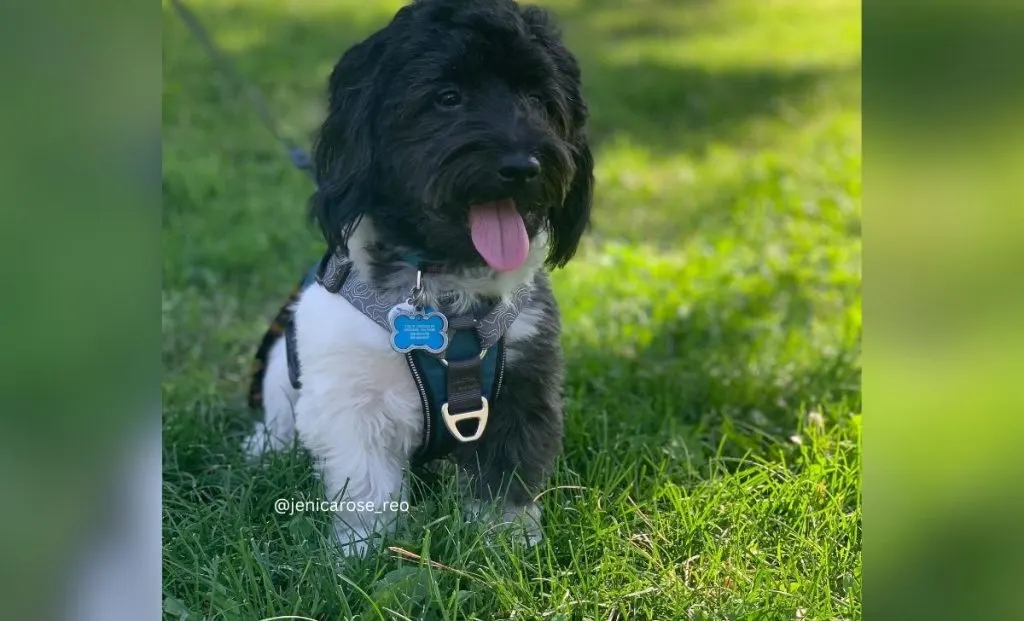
[(453, 169)]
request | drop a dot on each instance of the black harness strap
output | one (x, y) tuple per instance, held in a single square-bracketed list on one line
[(292, 352), (291, 347), (464, 390)]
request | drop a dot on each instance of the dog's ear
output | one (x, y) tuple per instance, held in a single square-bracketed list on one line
[(570, 220), (343, 155)]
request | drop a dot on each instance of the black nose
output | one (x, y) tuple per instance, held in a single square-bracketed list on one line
[(519, 168)]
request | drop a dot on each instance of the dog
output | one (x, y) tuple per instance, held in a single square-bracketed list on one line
[(454, 172)]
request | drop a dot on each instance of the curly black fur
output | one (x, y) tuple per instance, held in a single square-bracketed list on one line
[(423, 113)]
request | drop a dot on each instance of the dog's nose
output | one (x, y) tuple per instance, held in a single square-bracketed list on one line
[(519, 168)]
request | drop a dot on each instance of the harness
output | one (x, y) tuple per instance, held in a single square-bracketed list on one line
[(456, 362)]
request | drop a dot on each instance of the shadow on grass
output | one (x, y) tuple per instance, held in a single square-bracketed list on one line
[(670, 108), (701, 389), (667, 107)]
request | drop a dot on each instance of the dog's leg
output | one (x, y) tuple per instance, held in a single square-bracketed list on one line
[(277, 431), (361, 471), (358, 414), (517, 452), (365, 484)]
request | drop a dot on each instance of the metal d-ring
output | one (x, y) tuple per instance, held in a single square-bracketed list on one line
[(451, 421), (443, 358)]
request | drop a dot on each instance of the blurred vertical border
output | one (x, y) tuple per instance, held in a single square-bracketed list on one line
[(80, 268), (944, 310)]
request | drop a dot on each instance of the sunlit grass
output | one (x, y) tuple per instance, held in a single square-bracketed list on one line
[(712, 326)]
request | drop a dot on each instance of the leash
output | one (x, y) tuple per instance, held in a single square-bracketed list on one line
[(300, 159)]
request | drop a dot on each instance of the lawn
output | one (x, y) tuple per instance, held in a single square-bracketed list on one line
[(712, 330)]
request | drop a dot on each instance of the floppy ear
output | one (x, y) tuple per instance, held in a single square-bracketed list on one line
[(343, 155), (570, 221)]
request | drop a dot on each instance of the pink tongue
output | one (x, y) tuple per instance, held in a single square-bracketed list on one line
[(499, 234)]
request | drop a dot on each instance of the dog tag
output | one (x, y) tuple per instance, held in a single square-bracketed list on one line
[(413, 328)]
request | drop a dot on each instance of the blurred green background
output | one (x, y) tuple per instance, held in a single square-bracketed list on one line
[(713, 321)]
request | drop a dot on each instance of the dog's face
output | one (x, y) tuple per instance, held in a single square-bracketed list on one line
[(459, 129)]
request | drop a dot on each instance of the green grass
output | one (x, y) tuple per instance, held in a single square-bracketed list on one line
[(712, 327)]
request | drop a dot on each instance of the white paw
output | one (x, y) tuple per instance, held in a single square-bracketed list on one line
[(262, 441), (526, 522), (520, 521), (351, 541), (474, 509)]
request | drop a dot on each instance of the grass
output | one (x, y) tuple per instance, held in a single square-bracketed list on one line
[(712, 453)]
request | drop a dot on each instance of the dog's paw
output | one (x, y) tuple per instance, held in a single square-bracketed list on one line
[(261, 441), (475, 510), (522, 522), (352, 542), (525, 521)]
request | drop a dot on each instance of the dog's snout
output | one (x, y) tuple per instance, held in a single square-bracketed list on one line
[(519, 167)]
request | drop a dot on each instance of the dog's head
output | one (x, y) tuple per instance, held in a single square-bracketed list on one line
[(459, 130)]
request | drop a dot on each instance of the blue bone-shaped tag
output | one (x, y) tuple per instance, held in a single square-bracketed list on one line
[(426, 330)]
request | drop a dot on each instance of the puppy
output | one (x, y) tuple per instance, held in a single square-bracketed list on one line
[(453, 169)]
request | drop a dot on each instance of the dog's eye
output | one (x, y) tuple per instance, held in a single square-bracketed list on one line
[(449, 98)]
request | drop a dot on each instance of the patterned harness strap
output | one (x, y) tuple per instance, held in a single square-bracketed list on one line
[(490, 327)]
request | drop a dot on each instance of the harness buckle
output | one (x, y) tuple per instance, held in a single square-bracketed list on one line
[(451, 421)]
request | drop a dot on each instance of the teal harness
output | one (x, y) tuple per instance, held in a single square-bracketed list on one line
[(456, 387)]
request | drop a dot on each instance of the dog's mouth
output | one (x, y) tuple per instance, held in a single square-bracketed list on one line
[(499, 234)]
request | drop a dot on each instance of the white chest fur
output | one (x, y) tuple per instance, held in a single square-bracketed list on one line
[(359, 411), (361, 387)]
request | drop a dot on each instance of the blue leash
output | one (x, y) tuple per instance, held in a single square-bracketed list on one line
[(300, 159)]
